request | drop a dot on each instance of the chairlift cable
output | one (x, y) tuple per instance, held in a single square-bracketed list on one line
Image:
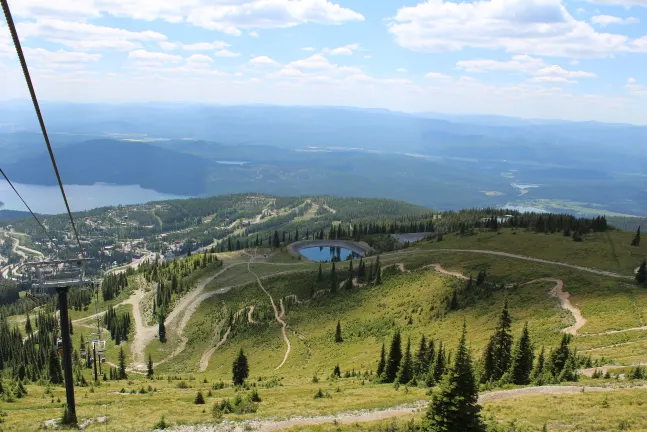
[(26, 205), (32, 92)]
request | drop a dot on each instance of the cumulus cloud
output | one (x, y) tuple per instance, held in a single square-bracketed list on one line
[(143, 58), (605, 20), (307, 49), (226, 53), (537, 27), (254, 34), (343, 50), (60, 58), (542, 71), (401, 70), (627, 3), (86, 37), (199, 46), (264, 61), (438, 76)]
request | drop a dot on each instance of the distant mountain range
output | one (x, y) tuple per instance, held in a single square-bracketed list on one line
[(436, 160)]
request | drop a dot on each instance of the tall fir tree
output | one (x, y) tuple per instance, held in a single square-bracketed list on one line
[(149, 369), (394, 358), (161, 327), (240, 369), (122, 364), (522, 359), (338, 338), (333, 279), (320, 274), (405, 372), (440, 363), (382, 363), (421, 367), (538, 370), (454, 407), (560, 356), (498, 353), (636, 240), (378, 271)]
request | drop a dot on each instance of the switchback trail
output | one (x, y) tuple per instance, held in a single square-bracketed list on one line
[(204, 361), (276, 313)]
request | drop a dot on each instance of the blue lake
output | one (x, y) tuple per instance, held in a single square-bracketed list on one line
[(328, 253)]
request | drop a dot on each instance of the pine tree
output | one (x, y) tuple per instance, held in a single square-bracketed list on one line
[(440, 363), (54, 369), (499, 351), (538, 370), (122, 364), (338, 338), (453, 303), (333, 279), (569, 371), (378, 271), (522, 359), (394, 359), (636, 240), (405, 373), (559, 357), (641, 274), (320, 274), (240, 369), (454, 407), (149, 371), (351, 272), (28, 328), (161, 326), (382, 363), (421, 366)]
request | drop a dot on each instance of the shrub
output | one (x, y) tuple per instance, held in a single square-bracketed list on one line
[(199, 399), (321, 395), (254, 397), (160, 424)]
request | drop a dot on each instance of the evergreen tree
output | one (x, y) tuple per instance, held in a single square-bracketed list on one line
[(361, 270), (421, 366), (641, 274), (378, 271), (498, 353), (276, 243), (636, 240), (161, 326), (333, 279), (405, 373), (351, 272), (349, 284), (560, 356), (538, 370), (522, 359), (382, 363), (55, 372), (394, 359), (569, 371), (338, 337), (122, 364), (149, 371), (454, 407), (240, 369), (440, 363), (320, 274), (28, 328), (453, 303)]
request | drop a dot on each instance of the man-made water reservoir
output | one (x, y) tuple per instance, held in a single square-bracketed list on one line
[(328, 253)]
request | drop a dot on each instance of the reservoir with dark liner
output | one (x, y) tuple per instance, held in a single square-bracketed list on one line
[(328, 253)]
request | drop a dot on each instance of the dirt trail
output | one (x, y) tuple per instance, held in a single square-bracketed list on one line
[(527, 258), (563, 296), (250, 317), (608, 332), (440, 269), (143, 333), (363, 416), (276, 313), (204, 361)]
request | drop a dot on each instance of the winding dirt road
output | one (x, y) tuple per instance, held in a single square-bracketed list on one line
[(563, 296), (277, 316), (204, 361)]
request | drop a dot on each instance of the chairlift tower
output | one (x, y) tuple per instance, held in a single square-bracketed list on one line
[(48, 277)]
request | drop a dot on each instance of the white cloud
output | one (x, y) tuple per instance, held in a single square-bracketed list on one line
[(537, 27), (264, 61), (631, 81), (552, 79), (343, 50), (200, 58), (438, 76), (605, 20), (226, 53), (254, 34), (627, 3), (229, 16), (59, 59), (199, 46), (86, 37), (542, 71), (634, 88), (368, 57), (320, 63), (401, 70), (307, 49), (143, 58)]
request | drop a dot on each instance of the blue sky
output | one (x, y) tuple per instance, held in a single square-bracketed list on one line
[(574, 60)]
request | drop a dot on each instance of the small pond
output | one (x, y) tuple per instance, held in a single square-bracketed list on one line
[(328, 253)]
